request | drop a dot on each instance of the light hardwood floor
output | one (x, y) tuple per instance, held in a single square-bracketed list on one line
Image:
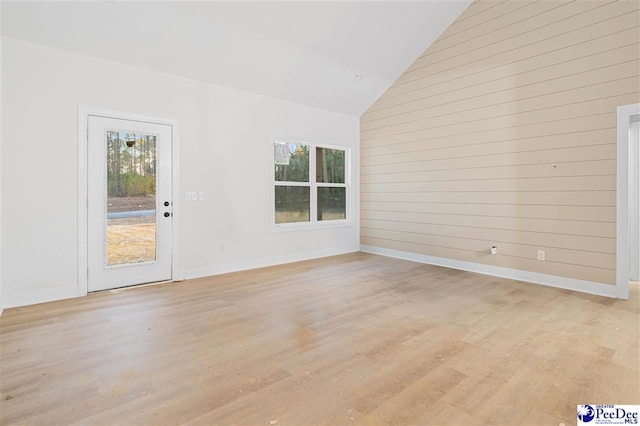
[(353, 339)]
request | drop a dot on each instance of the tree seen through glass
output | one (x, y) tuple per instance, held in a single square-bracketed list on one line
[(298, 168), (329, 165)]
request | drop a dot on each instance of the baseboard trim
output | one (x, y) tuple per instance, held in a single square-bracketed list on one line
[(262, 263), (498, 271), (15, 301)]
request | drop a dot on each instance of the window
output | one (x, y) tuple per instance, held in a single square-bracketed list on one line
[(310, 183)]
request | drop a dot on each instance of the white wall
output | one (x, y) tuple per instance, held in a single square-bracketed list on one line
[(225, 142)]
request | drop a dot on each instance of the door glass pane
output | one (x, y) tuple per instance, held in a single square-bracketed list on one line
[(131, 198), (292, 204)]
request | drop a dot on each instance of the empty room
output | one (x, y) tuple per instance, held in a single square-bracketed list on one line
[(320, 212)]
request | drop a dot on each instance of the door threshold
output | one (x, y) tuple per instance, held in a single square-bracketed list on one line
[(131, 287)]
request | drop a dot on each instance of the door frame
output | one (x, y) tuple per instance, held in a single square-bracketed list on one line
[(83, 143), (625, 112), (634, 193)]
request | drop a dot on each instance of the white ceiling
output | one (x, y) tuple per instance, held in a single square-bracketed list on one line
[(306, 52)]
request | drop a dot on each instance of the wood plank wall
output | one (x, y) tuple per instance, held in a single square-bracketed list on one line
[(504, 133)]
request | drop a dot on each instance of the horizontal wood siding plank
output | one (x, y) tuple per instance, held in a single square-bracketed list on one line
[(421, 161), (528, 211), (568, 227), (463, 147), (560, 198), (585, 168), (575, 183)]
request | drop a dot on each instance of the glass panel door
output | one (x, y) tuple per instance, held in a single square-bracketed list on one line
[(129, 204)]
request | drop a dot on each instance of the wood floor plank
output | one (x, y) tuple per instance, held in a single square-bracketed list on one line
[(352, 339)]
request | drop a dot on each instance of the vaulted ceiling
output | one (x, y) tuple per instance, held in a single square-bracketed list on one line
[(305, 52)]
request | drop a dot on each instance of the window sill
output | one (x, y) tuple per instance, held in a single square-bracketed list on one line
[(309, 226)]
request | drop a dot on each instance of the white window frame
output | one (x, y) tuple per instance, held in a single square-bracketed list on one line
[(313, 186)]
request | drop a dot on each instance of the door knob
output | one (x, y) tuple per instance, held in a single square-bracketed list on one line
[(167, 214), (166, 204)]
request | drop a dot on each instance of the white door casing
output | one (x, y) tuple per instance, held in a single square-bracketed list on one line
[(626, 115), (634, 199)]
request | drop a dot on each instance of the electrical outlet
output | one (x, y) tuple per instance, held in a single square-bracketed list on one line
[(541, 255), (494, 250)]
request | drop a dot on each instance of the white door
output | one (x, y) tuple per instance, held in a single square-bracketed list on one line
[(129, 203)]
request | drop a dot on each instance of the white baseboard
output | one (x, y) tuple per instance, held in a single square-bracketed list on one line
[(263, 262), (14, 301), (497, 271)]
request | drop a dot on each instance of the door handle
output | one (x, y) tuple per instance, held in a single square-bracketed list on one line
[(167, 214)]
